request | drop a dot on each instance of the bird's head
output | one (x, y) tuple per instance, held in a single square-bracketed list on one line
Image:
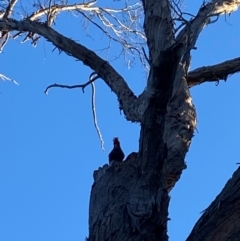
[(116, 142)]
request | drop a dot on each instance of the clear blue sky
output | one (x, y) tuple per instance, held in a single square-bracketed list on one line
[(49, 147)]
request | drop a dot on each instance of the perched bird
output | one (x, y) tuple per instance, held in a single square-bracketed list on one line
[(116, 154)]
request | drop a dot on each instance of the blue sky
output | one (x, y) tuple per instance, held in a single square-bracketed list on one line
[(49, 147)]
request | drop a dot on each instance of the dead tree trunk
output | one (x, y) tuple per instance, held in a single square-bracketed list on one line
[(130, 201)]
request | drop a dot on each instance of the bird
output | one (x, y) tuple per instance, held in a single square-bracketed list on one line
[(116, 154)]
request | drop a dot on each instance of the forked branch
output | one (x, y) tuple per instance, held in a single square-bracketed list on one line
[(83, 86), (122, 24), (189, 34), (102, 68)]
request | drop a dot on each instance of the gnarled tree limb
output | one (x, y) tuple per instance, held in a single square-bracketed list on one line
[(189, 34), (213, 8), (213, 73), (102, 68)]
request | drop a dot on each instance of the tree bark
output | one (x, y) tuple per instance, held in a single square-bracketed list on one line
[(214, 73), (130, 201), (143, 201), (108, 218), (138, 210), (221, 220)]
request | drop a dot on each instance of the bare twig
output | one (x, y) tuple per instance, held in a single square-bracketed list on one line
[(95, 114), (90, 81), (50, 14), (105, 71), (4, 78), (9, 9), (177, 12), (145, 55), (4, 35), (83, 86), (56, 8), (121, 25)]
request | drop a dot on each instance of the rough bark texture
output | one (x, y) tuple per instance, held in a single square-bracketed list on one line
[(221, 220), (110, 192), (166, 130), (213, 73), (160, 160), (167, 125)]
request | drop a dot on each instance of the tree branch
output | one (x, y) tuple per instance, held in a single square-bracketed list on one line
[(91, 80), (4, 35), (56, 8), (220, 220), (211, 9), (189, 34), (9, 9), (83, 86), (102, 68), (118, 24), (213, 73), (122, 24)]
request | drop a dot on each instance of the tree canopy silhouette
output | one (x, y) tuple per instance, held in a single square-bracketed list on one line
[(130, 201)]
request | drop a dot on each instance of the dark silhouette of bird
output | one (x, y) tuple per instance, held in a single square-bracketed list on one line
[(116, 154)]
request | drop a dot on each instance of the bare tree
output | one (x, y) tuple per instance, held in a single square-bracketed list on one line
[(134, 199)]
